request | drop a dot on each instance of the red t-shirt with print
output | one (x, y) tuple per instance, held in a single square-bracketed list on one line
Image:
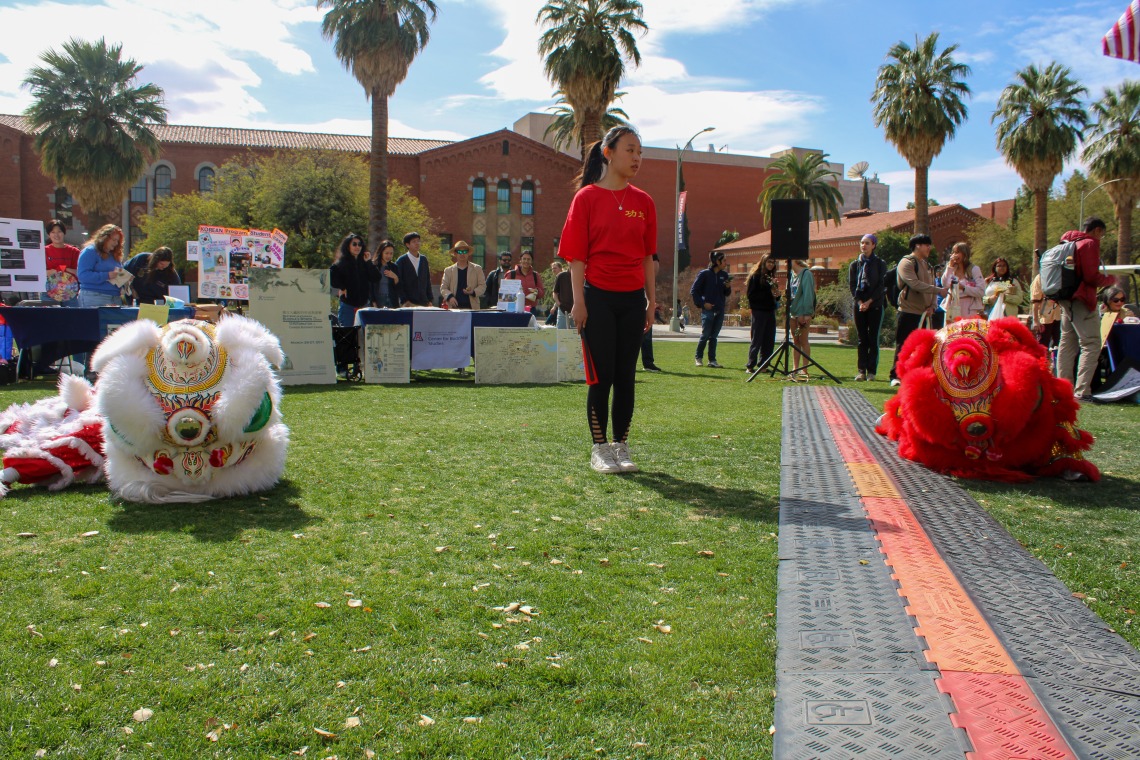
[(66, 257), (612, 232)]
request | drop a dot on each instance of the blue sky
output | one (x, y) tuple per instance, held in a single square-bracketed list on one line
[(767, 74)]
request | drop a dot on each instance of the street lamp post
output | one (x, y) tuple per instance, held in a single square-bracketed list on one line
[(1081, 218), (675, 322)]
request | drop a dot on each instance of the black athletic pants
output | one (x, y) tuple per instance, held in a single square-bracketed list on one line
[(763, 335), (611, 341), (869, 324)]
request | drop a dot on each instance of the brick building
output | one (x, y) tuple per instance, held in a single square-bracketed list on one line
[(504, 190), (830, 245)]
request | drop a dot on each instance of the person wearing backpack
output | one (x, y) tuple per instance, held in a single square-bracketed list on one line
[(866, 278), (1080, 323), (916, 299)]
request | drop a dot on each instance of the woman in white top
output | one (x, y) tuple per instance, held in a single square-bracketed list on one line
[(966, 283)]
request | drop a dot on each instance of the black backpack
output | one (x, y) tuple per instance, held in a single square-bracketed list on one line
[(892, 285)]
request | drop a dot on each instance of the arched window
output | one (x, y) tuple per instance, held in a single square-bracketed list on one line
[(528, 198), (205, 179), (506, 148), (479, 196), (504, 196), (161, 182)]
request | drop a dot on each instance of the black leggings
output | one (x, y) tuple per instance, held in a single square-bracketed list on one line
[(611, 341)]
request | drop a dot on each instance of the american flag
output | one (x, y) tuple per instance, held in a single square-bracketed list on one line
[(1123, 39)]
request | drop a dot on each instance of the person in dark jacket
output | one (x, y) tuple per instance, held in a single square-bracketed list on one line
[(385, 292), (414, 273), (350, 277), (763, 298), (709, 292), (866, 279), (156, 276), (1080, 322), (494, 277)]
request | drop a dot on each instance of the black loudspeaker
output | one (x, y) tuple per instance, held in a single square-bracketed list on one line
[(790, 219)]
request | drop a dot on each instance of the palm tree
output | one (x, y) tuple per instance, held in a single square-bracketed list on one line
[(92, 123), (586, 45), (1042, 120), (377, 40), (918, 102), (564, 127), (808, 178), (1113, 155)]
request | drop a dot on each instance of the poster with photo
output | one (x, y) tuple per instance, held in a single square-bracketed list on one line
[(192, 250), (214, 262), (23, 262)]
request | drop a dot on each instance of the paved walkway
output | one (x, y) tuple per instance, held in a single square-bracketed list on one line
[(911, 625)]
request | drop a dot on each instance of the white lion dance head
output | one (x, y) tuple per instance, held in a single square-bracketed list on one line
[(191, 410)]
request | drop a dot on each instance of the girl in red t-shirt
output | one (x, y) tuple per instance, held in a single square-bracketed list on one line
[(609, 239), (61, 257)]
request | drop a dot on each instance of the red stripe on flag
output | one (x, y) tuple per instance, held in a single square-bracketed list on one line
[(1123, 39)]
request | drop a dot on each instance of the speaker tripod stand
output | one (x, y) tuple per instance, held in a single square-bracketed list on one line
[(783, 354)]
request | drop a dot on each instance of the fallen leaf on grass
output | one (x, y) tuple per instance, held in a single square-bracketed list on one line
[(77, 686), (340, 684), (363, 649), (355, 603), (142, 715), (214, 735), (301, 752), (32, 630), (1078, 595), (658, 565), (244, 667), (27, 535), (352, 722), (556, 562), (441, 549), (664, 628), (705, 553), (308, 637), (644, 640), (324, 733), (322, 605), (89, 534), (369, 754), (53, 662), (425, 721), (41, 753), (640, 745), (472, 719), (604, 562)]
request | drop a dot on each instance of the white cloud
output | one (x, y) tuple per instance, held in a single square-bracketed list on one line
[(1074, 41), (971, 186), (200, 52)]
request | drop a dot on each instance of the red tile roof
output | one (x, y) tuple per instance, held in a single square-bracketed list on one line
[(265, 138), (854, 226)]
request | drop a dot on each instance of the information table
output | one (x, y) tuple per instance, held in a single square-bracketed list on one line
[(63, 332), (438, 336), (1124, 342)]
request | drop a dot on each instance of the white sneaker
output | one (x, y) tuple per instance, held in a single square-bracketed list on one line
[(714, 365), (861, 377), (621, 456), (698, 362), (870, 378), (896, 383), (602, 459)]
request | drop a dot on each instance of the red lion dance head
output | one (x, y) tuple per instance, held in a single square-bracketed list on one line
[(977, 400)]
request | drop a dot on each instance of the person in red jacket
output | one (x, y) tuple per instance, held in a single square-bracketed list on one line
[(609, 239), (1080, 323)]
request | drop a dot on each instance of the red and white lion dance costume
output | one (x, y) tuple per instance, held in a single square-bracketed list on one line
[(185, 412), (977, 400)]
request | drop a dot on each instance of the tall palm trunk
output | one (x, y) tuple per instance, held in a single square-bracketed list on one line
[(378, 171), (1040, 225), (591, 129), (921, 210)]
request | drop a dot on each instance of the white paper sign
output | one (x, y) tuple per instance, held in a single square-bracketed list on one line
[(23, 261), (294, 305), (386, 358), (510, 296), (441, 339), (571, 367), (515, 355)]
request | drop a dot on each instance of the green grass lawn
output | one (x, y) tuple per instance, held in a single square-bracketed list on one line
[(432, 505)]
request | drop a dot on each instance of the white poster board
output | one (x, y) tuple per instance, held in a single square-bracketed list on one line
[(441, 339), (515, 355), (386, 354), (23, 262), (510, 296), (192, 250), (571, 367), (294, 305)]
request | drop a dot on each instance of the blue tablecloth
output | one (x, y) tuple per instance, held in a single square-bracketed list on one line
[(483, 318), (62, 332), (1124, 342)]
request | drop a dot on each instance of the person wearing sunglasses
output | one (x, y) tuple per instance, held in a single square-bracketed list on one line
[(463, 282), (350, 277), (1112, 302)]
